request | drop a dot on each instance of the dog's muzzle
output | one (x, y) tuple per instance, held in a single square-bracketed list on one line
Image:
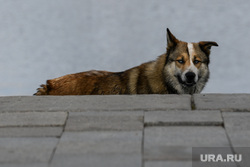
[(188, 79)]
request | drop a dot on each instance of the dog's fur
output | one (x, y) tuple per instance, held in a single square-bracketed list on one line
[(183, 69)]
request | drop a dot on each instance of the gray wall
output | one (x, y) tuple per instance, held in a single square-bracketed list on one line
[(42, 39)]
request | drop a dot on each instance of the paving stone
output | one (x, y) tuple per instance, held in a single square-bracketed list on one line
[(74, 143), (222, 101), (33, 103), (31, 131), (245, 152), (188, 117), (175, 143), (168, 163), (237, 126), (101, 102), (184, 164), (25, 150), (24, 165), (8, 101), (110, 130), (104, 149), (237, 120), (130, 102), (215, 164), (97, 160), (223, 151), (111, 120), (32, 119), (239, 138)]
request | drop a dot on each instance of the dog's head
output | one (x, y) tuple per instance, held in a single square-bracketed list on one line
[(187, 65)]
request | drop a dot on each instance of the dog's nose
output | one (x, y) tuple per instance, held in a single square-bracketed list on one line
[(190, 77)]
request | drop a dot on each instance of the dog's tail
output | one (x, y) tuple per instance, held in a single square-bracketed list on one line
[(43, 90)]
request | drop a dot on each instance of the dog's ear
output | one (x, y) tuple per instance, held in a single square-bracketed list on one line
[(206, 46), (171, 39)]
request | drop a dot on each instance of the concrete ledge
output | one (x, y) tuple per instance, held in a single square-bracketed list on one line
[(105, 121), (183, 118), (96, 103), (32, 119), (236, 102), (176, 142), (119, 131)]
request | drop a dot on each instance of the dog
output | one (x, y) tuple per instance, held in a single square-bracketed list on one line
[(183, 69)]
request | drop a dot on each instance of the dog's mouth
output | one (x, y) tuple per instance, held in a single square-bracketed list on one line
[(187, 83)]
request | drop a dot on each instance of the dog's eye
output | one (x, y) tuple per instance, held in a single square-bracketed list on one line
[(196, 61), (180, 61)]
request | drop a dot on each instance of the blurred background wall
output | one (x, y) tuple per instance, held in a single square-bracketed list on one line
[(44, 39)]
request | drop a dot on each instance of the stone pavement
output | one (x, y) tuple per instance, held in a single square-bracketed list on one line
[(119, 131)]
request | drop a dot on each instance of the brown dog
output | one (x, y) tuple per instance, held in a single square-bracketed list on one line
[(183, 69)]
